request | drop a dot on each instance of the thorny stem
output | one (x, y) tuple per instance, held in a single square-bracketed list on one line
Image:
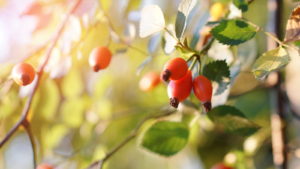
[(23, 119), (127, 139)]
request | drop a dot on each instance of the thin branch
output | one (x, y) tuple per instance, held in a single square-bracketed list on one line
[(139, 50), (22, 121), (86, 34), (127, 139), (31, 137), (270, 35)]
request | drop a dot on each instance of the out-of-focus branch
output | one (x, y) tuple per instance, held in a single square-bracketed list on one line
[(33, 145), (110, 26), (276, 97), (127, 139), (23, 119)]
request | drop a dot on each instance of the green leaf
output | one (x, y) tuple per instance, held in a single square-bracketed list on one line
[(297, 43), (152, 20), (270, 61), (233, 32), (141, 67), (166, 138), (232, 120), (241, 4), (295, 0), (185, 42), (184, 9), (218, 72), (212, 23), (186, 53)]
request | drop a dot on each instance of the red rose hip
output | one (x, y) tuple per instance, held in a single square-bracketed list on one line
[(175, 69), (203, 90), (180, 89)]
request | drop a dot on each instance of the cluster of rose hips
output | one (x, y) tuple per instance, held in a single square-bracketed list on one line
[(181, 83), (176, 70), (24, 74)]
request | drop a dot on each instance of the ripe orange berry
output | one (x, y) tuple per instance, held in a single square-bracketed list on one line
[(149, 81), (180, 89), (44, 166), (203, 90), (175, 69), (100, 58), (23, 74), (220, 165)]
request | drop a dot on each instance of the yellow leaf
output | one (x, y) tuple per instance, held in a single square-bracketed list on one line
[(293, 26)]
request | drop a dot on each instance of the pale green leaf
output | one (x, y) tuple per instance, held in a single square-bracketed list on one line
[(152, 20), (184, 9), (153, 42), (270, 61), (129, 33), (232, 120), (141, 67), (169, 42)]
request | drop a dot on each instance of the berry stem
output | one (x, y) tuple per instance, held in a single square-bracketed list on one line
[(173, 37), (200, 66), (193, 63)]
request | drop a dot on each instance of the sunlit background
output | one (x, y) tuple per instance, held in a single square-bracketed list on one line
[(78, 115)]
